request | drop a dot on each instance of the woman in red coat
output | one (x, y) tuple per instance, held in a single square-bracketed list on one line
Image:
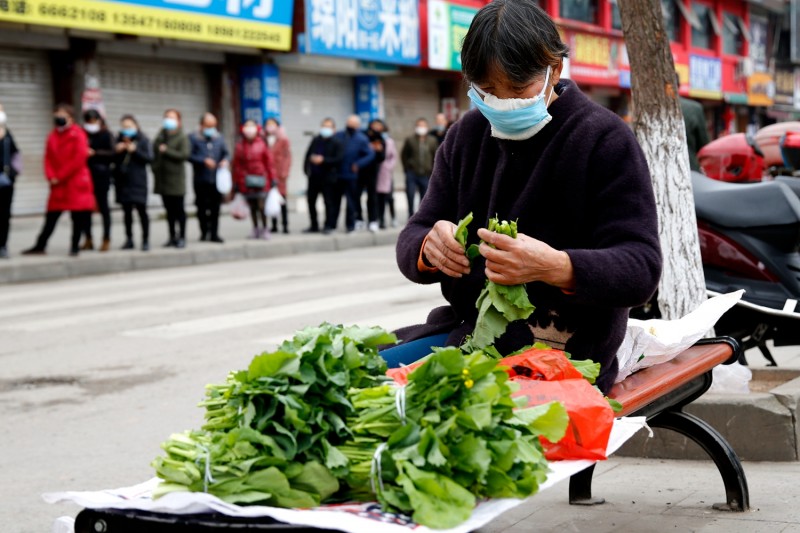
[(71, 187), (254, 175), (279, 148)]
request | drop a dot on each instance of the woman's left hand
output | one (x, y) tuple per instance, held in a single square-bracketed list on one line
[(523, 260)]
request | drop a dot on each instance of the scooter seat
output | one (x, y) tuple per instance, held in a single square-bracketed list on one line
[(744, 205)]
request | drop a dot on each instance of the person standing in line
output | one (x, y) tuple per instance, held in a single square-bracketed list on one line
[(101, 155), (357, 154), (280, 150), (441, 127), (132, 155), (694, 120), (368, 180), (208, 153), (9, 168), (417, 157), (384, 186), (323, 159), (65, 167), (169, 169), (254, 175)]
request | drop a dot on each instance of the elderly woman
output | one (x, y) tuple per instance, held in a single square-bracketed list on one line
[(538, 151)]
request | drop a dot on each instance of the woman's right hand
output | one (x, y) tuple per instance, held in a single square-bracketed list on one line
[(443, 251)]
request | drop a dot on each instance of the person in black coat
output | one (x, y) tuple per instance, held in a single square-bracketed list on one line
[(322, 161), (8, 174), (101, 156), (368, 180), (133, 153)]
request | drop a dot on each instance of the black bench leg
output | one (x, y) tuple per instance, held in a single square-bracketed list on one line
[(580, 488), (728, 464)]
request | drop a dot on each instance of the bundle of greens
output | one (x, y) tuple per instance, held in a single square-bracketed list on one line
[(272, 431), (452, 435), (498, 305)]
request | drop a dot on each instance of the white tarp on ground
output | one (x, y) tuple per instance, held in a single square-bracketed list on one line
[(349, 518)]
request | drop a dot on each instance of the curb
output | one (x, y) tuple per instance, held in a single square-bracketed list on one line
[(760, 426), (33, 269)]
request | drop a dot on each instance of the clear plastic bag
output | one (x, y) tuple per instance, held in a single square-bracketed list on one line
[(731, 379), (239, 208)]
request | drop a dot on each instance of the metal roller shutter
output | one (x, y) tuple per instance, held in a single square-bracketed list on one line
[(306, 100), (145, 89), (26, 95)]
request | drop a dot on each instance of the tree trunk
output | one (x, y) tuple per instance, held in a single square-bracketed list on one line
[(658, 125)]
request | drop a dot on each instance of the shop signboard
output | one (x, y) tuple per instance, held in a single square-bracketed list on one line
[(369, 98), (797, 88), (705, 77), (260, 92), (758, 42), (760, 90), (386, 31), (251, 23), (784, 86), (594, 59), (447, 25)]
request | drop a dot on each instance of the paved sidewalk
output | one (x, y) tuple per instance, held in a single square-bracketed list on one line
[(57, 264)]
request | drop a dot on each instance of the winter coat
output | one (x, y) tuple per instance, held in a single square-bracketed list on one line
[(100, 163), (332, 150), (596, 204), (203, 148), (281, 158), (130, 171), (169, 168), (418, 154), (386, 172), (65, 168), (694, 119), (8, 148), (252, 158), (356, 151), (369, 172)]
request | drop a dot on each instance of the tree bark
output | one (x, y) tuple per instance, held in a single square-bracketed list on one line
[(658, 125)]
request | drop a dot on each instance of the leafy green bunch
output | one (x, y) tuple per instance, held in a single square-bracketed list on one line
[(453, 435), (272, 431), (498, 305)]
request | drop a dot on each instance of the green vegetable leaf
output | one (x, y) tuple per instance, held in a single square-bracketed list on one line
[(461, 231)]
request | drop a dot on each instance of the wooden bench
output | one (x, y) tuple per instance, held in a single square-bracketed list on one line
[(660, 393)]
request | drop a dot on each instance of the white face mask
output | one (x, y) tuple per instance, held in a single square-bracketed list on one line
[(3, 118), (422, 131), (250, 132), (92, 128)]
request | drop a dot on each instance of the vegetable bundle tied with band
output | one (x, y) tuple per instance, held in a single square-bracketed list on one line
[(498, 305)]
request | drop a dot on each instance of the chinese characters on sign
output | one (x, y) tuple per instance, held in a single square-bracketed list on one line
[(447, 27), (374, 30), (705, 77), (369, 98), (261, 93)]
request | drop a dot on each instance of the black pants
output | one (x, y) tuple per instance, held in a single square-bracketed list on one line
[(318, 186), (208, 201), (176, 216), (143, 218), (6, 195), (385, 199), (349, 190), (367, 181), (80, 220), (101, 186), (284, 218), (257, 211), (415, 182)]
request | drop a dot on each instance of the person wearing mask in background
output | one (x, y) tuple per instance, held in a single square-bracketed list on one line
[(417, 157), (694, 120), (254, 175), (441, 127), (357, 154), (9, 167), (280, 150), (101, 154), (65, 167), (384, 187), (132, 155), (368, 180), (322, 162), (171, 150), (208, 153)]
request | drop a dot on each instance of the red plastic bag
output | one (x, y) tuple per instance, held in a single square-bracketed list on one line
[(590, 416), (546, 365)]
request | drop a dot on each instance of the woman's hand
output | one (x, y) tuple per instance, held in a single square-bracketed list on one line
[(444, 252), (524, 259)]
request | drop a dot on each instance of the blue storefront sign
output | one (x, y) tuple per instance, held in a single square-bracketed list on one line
[(385, 31), (260, 92), (369, 98), (705, 77)]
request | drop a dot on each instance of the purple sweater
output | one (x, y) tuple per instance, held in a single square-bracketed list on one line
[(580, 185)]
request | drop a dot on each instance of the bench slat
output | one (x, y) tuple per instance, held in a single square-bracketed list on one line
[(645, 386)]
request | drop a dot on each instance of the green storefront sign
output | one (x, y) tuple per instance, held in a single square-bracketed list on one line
[(447, 25)]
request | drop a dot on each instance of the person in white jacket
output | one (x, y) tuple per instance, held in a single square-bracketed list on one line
[(385, 185)]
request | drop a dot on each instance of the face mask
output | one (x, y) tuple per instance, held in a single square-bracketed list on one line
[(325, 132), (170, 124), (351, 130), (272, 129), (92, 128), (3, 118), (250, 132), (514, 118), (422, 131), (130, 133), (210, 132), (60, 122), (385, 135), (439, 128)]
